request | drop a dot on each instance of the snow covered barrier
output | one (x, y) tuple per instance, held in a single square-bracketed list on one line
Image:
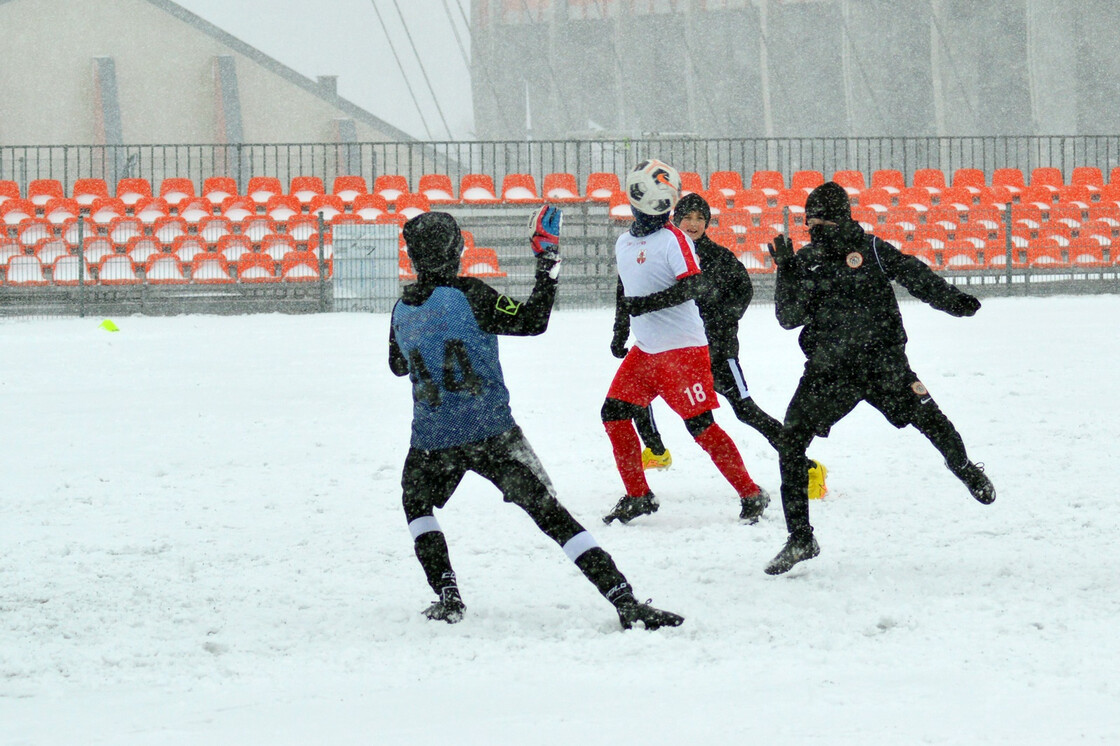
[(366, 261)]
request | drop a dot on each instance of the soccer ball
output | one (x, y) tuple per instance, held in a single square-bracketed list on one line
[(653, 187)]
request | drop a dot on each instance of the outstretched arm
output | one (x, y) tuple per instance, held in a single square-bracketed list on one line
[(683, 290), (923, 283)]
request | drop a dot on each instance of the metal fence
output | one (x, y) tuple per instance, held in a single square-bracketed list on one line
[(67, 163)]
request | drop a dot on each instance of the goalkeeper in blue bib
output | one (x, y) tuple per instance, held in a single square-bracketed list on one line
[(443, 336)]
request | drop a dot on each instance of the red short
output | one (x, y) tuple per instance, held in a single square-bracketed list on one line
[(683, 378)]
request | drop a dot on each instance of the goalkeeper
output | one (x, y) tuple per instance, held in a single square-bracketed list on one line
[(839, 288), (442, 336)]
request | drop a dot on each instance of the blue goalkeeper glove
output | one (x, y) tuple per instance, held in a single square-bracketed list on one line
[(545, 226)]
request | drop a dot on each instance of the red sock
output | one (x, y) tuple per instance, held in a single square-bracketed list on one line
[(628, 456), (726, 457)]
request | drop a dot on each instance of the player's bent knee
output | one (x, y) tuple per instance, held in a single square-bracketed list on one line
[(616, 409), (698, 424)]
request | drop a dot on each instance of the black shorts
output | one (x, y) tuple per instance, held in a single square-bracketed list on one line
[(826, 394), (506, 460), (729, 379)]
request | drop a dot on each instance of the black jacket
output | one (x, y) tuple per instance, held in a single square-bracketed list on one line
[(845, 299), (725, 293)]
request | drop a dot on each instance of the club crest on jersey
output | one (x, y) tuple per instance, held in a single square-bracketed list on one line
[(919, 388), (641, 257), (855, 260)]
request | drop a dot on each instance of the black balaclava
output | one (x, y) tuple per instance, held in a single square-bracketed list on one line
[(645, 225), (690, 203), (434, 243), (829, 202)]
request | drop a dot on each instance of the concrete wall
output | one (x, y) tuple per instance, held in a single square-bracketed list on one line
[(165, 77)]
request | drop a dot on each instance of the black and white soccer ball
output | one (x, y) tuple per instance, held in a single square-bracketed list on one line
[(653, 187)]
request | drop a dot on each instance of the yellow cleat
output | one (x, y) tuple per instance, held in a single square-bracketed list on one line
[(817, 474), (650, 460)]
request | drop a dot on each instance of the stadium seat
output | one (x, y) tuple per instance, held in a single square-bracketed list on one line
[(1042, 256), (1021, 237), (277, 245), (727, 182), (346, 188), (602, 186), (758, 239), (66, 269), (41, 190), (977, 235), (1075, 194), (212, 228), (1047, 176), (411, 205), (176, 189), (987, 216), (389, 186), (962, 197), (263, 188), (931, 179), (892, 233), (164, 269), (739, 221), (1086, 254), (50, 249), (165, 229), (302, 227), (328, 205), (479, 262), (618, 208), (194, 210), (256, 268), (141, 248), (281, 207), (132, 190), (9, 190), (806, 180), (757, 262), (751, 200), (96, 248), (905, 216), (31, 231), (961, 256), (304, 188), (1071, 214), (1097, 231), (105, 209), (519, 189), (1036, 194), (122, 229), (865, 216), (238, 208), (328, 246), (87, 190), (852, 181), (770, 182), (256, 227), (300, 266), (116, 269), (946, 216), (437, 188), (1059, 232), (970, 179), (717, 201), (210, 268), (25, 270), (1009, 178), (60, 209), (69, 230), (724, 236), (917, 197), (878, 198), (792, 198), (1026, 215), (996, 194), (15, 211), (773, 219), (217, 189), (9, 247), (889, 179), (1110, 213), (691, 182), (1089, 177), (186, 248), (369, 206), (561, 188), (935, 236), (404, 265), (477, 189), (150, 209), (233, 246)]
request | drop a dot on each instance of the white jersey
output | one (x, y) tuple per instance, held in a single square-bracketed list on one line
[(653, 263)]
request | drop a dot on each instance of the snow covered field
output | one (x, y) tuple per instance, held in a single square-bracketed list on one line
[(201, 542)]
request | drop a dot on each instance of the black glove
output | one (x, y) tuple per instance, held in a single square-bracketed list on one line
[(618, 346), (781, 249), (964, 305)]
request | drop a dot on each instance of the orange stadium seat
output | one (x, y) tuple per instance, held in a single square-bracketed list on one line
[(961, 256), (194, 210), (852, 181), (890, 179), (116, 269), (1026, 215), (347, 188), (750, 200), (164, 269), (389, 186), (770, 182), (1038, 194), (302, 227), (256, 227), (891, 233), (1084, 253), (1047, 176), (300, 266), (1059, 232), (519, 189), (238, 208), (404, 265), (691, 182), (960, 196), (60, 209), (865, 216), (878, 198), (1046, 256), (254, 267), (738, 221), (304, 188), (723, 236), (140, 248), (1070, 213), (934, 235), (25, 270), (233, 246), (437, 188), (176, 189), (33, 230), (66, 269), (9, 190), (122, 229), (1089, 177), (917, 197), (370, 206), (186, 248), (758, 239), (561, 187), (15, 211), (717, 201), (277, 245), (996, 194), (96, 248), (150, 209), (69, 230), (281, 207), (1010, 178), (602, 186), (1110, 213), (50, 249), (946, 216), (328, 205), (132, 190), (728, 182), (905, 216), (87, 190), (618, 208), (480, 262), (210, 268), (9, 247), (806, 180), (971, 179), (262, 188), (477, 189), (212, 229), (987, 216), (165, 229), (411, 205), (932, 179), (41, 190)]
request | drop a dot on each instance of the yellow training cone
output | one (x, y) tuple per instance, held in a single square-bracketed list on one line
[(109, 326)]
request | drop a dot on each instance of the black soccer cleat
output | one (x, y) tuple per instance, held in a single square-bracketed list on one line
[(449, 608), (753, 506), (630, 612), (976, 480), (629, 508), (801, 545)]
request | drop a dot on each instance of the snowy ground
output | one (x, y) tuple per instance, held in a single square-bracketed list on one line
[(201, 542)]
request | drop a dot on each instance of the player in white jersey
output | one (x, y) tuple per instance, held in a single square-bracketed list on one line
[(659, 276)]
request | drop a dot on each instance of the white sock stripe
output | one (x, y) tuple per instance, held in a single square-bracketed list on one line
[(422, 525), (579, 544), (737, 374)]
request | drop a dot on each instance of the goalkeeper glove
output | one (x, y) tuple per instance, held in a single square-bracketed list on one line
[(545, 226)]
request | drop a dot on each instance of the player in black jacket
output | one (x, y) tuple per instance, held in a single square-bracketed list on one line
[(725, 293), (443, 336), (839, 289)]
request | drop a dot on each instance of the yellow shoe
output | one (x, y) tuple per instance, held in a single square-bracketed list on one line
[(817, 474), (650, 460)]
